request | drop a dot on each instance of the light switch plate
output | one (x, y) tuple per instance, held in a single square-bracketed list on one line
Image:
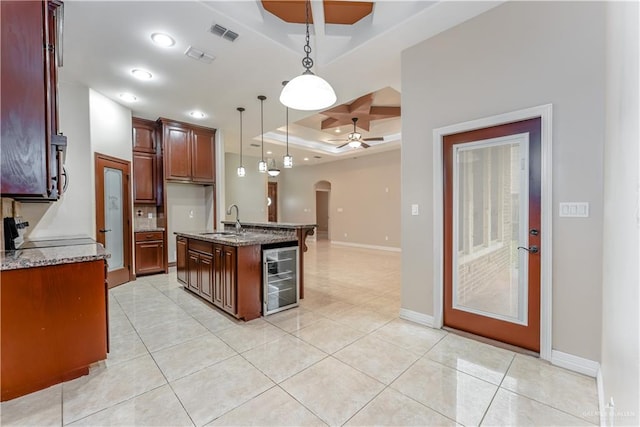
[(574, 209), (415, 209)]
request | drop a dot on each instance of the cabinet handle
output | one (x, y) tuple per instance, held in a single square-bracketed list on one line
[(149, 236)]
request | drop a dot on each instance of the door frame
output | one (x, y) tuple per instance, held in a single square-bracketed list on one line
[(545, 112), (127, 206)]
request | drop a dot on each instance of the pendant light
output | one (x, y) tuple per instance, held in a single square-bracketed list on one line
[(308, 91), (241, 171), (273, 169), (262, 165), (287, 160)]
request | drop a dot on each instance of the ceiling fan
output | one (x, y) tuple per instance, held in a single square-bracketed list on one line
[(355, 139)]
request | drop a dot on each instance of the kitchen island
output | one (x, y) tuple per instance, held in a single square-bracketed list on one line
[(225, 267), (53, 315), (299, 230)]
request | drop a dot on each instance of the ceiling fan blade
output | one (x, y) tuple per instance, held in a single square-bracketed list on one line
[(363, 145), (375, 138), (336, 140), (343, 145)]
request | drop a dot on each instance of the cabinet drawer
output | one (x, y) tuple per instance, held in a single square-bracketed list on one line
[(146, 236), (200, 246)]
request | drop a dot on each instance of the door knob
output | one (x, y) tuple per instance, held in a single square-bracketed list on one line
[(531, 249), (104, 231)]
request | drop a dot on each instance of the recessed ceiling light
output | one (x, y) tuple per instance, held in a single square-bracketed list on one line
[(162, 39), (128, 97), (306, 159), (269, 152), (141, 74), (338, 130), (197, 114)]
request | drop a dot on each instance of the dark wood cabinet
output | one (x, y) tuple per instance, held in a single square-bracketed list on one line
[(189, 152), (181, 259), (229, 277), (149, 252), (31, 166), (147, 184), (144, 178), (53, 325)]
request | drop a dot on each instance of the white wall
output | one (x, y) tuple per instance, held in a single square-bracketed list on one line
[(518, 55), (248, 192), (186, 211), (366, 189), (73, 214), (620, 305), (92, 123)]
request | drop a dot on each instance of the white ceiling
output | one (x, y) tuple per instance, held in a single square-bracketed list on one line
[(105, 40)]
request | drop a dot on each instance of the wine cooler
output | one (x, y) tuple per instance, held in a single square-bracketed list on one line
[(281, 282)]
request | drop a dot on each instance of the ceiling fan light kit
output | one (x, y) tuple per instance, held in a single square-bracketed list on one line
[(308, 92), (273, 169)]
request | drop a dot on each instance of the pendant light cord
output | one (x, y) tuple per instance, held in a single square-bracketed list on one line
[(262, 98), (241, 110), (307, 62), (287, 131)]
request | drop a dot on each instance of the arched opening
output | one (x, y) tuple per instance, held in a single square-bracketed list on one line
[(323, 193)]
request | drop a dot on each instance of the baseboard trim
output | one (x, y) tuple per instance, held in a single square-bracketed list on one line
[(414, 316), (360, 245), (601, 404), (575, 363)]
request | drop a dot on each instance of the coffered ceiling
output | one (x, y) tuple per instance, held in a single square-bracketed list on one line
[(105, 40)]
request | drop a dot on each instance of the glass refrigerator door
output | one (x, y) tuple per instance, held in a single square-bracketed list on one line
[(281, 279)]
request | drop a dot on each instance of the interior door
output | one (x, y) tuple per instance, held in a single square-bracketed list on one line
[(273, 201), (492, 232), (113, 207)]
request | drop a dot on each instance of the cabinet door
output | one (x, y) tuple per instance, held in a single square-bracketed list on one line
[(177, 152), (218, 293), (25, 140), (181, 261), (144, 177), (229, 279), (203, 156), (205, 273), (149, 257), (192, 272), (144, 135)]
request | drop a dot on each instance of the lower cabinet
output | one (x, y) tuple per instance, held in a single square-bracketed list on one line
[(149, 252), (229, 277)]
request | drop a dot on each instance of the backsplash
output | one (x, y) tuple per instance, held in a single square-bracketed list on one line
[(141, 218)]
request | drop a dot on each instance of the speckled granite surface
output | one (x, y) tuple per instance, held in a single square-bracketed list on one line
[(243, 239), (41, 257)]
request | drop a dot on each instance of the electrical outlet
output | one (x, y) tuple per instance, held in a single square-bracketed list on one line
[(150, 215), (345, 234), (386, 238)]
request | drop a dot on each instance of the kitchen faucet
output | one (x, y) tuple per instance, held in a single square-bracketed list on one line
[(238, 225)]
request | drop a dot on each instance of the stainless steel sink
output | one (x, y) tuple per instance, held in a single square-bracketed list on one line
[(219, 233)]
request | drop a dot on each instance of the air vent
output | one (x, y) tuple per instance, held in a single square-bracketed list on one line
[(255, 145), (200, 55), (317, 157), (221, 31)]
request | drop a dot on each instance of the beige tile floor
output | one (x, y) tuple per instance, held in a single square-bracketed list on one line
[(342, 358)]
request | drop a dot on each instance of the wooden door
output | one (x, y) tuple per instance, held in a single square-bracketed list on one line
[(492, 232), (192, 271), (113, 217), (205, 275), (229, 279), (144, 177), (218, 292), (273, 201), (177, 153), (181, 259), (203, 156)]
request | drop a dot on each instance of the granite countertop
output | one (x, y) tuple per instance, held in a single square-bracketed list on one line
[(242, 239), (147, 229), (291, 225), (41, 257)]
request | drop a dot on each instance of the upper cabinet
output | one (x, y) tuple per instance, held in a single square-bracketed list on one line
[(189, 152), (147, 184), (31, 144)]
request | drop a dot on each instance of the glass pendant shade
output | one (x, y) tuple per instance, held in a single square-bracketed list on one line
[(273, 172), (308, 92), (287, 161), (262, 166), (241, 171)]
